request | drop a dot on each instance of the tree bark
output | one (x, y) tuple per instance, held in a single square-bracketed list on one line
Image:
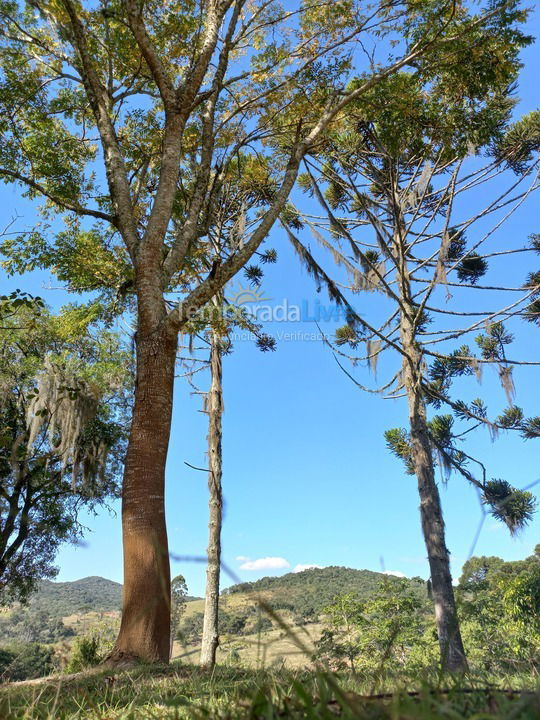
[(145, 627), (210, 634), (452, 652), (451, 645)]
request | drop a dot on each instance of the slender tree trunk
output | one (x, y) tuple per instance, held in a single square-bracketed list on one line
[(145, 627), (171, 642), (210, 635), (451, 645)]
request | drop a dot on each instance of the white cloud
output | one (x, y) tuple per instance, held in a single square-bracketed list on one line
[(242, 558), (396, 573), (266, 563), (300, 568)]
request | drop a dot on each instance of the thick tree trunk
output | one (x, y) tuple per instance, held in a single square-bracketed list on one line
[(451, 645), (210, 635), (145, 628)]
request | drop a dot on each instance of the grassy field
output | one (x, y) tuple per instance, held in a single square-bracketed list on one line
[(268, 649), (181, 691)]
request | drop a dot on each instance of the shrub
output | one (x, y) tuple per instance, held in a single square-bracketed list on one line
[(25, 662), (84, 654)]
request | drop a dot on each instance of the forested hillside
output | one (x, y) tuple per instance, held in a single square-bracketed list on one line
[(306, 593), (59, 599), (300, 597), (41, 619)]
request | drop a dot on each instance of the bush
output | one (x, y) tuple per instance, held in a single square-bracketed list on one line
[(191, 628), (84, 654), (25, 662), (262, 624)]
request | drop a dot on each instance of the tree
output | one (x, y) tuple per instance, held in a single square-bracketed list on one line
[(340, 642), (61, 436), (403, 176), (224, 316), (214, 403), (499, 603), (176, 106), (179, 593), (374, 632)]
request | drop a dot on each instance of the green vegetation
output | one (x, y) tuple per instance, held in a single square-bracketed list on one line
[(233, 692), (387, 629), (306, 593), (40, 620), (500, 610), (23, 624), (66, 598), (62, 435), (369, 622), (86, 652), (23, 662), (164, 142), (345, 619)]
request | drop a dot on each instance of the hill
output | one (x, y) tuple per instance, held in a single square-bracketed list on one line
[(89, 594), (41, 619), (94, 593), (306, 593), (251, 633), (60, 610)]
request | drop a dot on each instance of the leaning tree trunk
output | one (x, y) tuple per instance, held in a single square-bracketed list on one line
[(145, 627), (210, 635), (451, 645)]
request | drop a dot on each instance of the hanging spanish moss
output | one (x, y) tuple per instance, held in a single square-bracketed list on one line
[(64, 409), (507, 382)]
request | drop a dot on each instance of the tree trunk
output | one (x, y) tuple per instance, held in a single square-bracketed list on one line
[(451, 645), (210, 635), (145, 627)]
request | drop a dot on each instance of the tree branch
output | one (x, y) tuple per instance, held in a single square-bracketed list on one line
[(73, 206), (114, 161)]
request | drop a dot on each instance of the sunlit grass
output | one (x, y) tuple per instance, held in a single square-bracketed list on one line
[(236, 692)]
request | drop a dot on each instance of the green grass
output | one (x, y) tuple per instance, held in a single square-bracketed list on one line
[(235, 692)]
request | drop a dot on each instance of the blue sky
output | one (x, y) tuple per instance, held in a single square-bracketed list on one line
[(307, 476)]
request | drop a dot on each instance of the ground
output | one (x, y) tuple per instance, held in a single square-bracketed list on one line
[(182, 691)]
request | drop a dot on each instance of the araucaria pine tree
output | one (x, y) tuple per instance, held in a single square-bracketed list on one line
[(397, 193)]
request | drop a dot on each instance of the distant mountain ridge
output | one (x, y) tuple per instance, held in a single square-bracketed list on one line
[(338, 574), (93, 593), (299, 597), (306, 593), (89, 594)]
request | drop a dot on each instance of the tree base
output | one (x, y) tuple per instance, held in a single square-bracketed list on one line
[(120, 660)]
